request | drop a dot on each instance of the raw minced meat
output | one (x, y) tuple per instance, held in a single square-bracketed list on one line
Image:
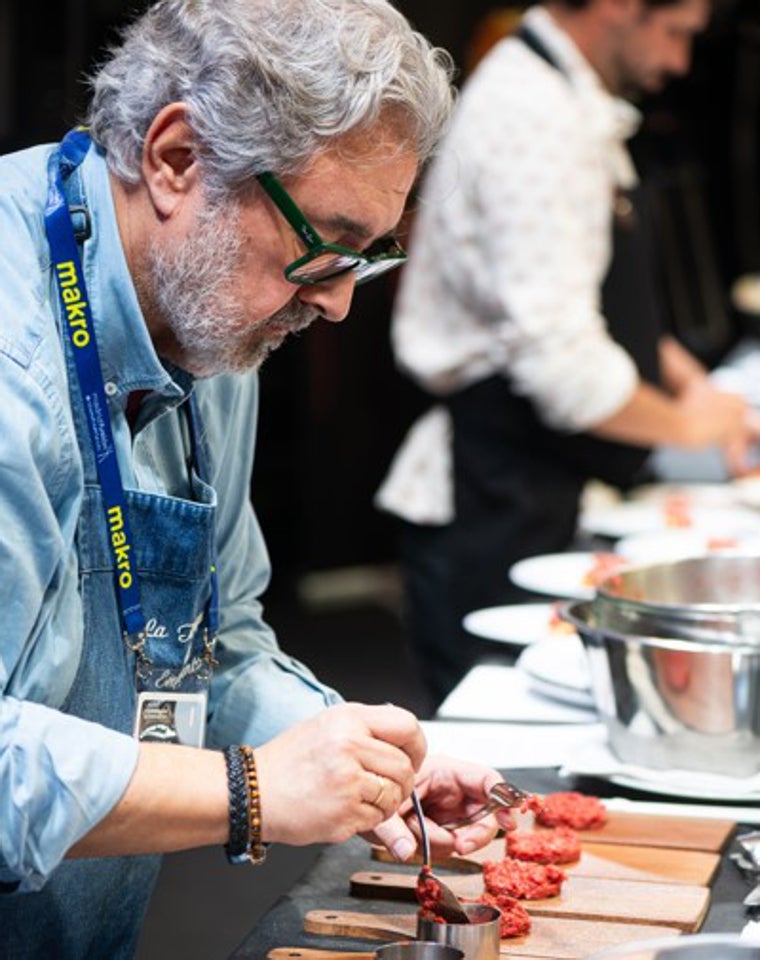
[(553, 845), (521, 879), (428, 895), (514, 920), (532, 802), (570, 809)]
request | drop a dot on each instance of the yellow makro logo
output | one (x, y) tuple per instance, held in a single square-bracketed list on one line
[(73, 303), (120, 546)]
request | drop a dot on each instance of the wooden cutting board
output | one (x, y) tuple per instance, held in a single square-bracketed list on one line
[(680, 833), (616, 861), (588, 898), (549, 938)]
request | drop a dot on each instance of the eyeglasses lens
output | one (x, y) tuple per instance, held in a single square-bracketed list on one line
[(323, 266), (375, 268)]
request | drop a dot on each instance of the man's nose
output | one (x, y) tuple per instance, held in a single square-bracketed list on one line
[(331, 298)]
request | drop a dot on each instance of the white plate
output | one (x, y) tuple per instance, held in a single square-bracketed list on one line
[(516, 623), (556, 574), (632, 517), (595, 758), (661, 547), (718, 494), (684, 789), (557, 667)]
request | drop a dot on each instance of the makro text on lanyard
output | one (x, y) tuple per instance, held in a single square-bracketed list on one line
[(78, 322)]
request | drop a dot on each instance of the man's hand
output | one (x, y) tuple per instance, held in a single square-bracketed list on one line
[(342, 772), (448, 789), (721, 418)]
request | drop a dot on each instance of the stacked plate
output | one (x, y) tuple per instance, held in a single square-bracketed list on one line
[(553, 660)]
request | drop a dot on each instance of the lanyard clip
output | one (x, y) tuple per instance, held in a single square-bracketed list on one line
[(135, 642), (209, 644)]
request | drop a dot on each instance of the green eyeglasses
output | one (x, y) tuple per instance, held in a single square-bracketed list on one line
[(325, 261)]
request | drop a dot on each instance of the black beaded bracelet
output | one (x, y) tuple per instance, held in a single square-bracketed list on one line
[(237, 846)]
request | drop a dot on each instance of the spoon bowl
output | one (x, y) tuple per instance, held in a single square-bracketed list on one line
[(432, 892)]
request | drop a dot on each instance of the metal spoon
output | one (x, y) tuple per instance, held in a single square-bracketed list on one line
[(501, 796), (448, 906)]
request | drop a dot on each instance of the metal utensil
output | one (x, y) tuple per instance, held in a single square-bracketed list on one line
[(479, 939), (448, 906), (753, 897), (418, 950), (501, 796), (747, 859)]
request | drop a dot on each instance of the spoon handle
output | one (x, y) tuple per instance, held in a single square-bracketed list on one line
[(423, 829)]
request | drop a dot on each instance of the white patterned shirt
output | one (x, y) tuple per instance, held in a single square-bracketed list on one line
[(511, 244)]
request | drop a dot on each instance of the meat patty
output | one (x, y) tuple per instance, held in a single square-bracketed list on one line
[(521, 879), (554, 845), (570, 809)]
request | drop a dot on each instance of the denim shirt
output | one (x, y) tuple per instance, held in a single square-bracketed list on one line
[(60, 775)]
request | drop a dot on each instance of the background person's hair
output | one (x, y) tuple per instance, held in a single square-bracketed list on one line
[(268, 83)]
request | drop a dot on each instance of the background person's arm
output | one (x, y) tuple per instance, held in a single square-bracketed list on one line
[(700, 416), (679, 369)]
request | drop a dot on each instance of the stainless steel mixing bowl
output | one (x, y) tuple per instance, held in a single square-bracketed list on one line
[(715, 598), (672, 702)]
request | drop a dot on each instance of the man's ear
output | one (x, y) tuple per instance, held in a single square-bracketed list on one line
[(169, 163)]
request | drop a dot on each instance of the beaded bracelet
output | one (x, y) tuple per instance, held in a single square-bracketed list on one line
[(256, 849)]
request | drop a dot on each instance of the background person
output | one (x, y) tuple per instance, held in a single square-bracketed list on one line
[(546, 353)]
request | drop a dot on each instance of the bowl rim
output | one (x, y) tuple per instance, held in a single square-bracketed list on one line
[(606, 587), (731, 646)]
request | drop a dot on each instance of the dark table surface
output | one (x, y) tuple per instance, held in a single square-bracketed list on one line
[(325, 886)]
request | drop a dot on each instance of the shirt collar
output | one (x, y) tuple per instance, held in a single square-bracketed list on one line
[(127, 355)]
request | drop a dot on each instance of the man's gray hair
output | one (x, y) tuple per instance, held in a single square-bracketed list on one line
[(269, 83)]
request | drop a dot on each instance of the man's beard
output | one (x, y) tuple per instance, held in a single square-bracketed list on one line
[(194, 289)]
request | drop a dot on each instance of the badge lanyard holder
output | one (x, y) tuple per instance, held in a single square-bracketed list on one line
[(164, 715)]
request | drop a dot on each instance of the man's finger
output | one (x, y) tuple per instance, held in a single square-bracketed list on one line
[(399, 727), (396, 836)]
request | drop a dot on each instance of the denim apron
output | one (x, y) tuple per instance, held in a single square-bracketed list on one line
[(94, 908)]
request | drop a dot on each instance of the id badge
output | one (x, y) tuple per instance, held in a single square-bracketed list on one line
[(167, 717)]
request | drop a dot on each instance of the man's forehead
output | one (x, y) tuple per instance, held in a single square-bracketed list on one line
[(347, 189)]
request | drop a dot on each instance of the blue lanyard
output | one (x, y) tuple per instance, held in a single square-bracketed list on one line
[(78, 323)]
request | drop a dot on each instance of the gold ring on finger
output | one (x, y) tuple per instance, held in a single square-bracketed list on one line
[(380, 790)]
